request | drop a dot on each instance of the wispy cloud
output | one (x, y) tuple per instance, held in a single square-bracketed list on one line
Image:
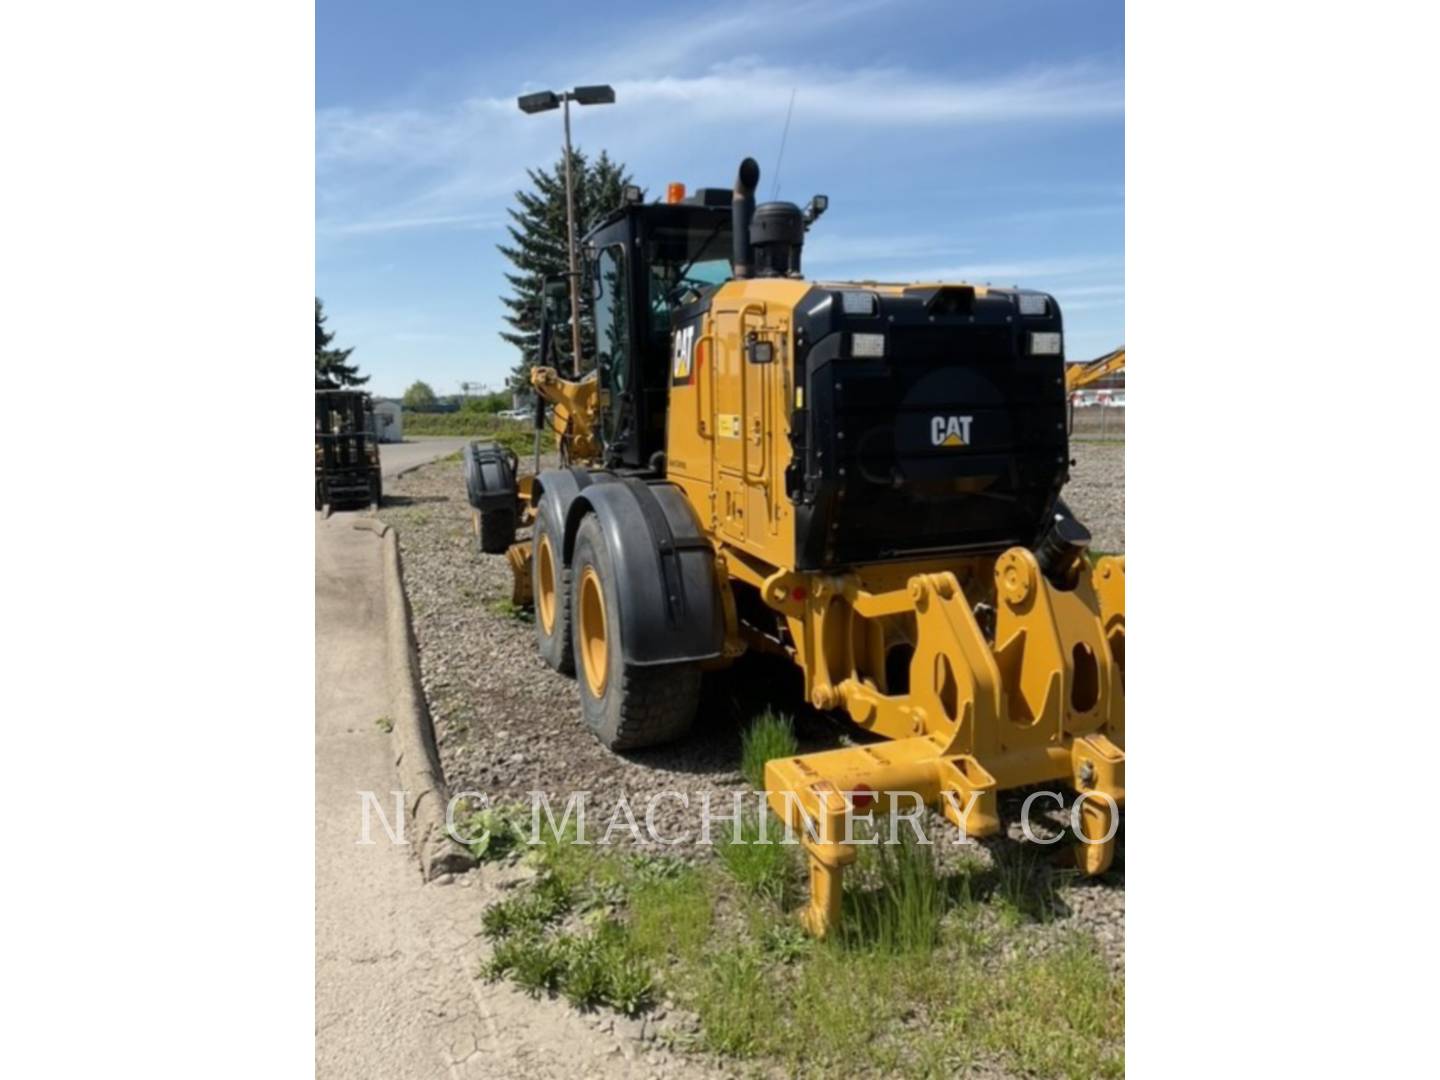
[(457, 165), (667, 43), (941, 165), (892, 97), (1047, 214), (738, 93), (826, 248), (999, 273), (1097, 291), (412, 136), (383, 225)]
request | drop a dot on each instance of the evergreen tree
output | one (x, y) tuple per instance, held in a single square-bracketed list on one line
[(331, 369), (538, 251)]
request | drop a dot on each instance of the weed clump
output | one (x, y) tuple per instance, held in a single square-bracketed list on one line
[(770, 735)]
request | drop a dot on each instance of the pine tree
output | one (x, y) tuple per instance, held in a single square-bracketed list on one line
[(538, 251), (331, 369)]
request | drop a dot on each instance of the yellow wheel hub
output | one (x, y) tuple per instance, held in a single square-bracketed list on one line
[(594, 642), (545, 591)]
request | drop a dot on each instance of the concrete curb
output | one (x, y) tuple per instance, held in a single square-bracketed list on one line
[(416, 758), (411, 468)]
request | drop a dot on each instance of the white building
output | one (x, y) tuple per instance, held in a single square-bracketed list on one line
[(387, 421)]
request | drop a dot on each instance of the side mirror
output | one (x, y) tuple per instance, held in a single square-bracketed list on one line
[(814, 208), (556, 294)]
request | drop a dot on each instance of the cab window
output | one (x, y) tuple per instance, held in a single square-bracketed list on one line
[(612, 332)]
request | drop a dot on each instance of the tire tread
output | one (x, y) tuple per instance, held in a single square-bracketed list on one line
[(559, 651), (657, 705)]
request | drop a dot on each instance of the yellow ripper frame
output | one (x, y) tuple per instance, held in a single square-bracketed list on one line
[(1046, 703)]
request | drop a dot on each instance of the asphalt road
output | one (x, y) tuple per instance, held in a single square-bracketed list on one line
[(416, 451)]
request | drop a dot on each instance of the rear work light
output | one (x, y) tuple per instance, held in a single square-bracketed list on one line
[(1032, 304), (1044, 344), (867, 346)]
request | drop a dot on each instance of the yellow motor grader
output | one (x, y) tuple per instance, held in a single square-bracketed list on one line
[(862, 477)]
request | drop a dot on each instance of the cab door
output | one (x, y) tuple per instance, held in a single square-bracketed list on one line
[(727, 396), (748, 376)]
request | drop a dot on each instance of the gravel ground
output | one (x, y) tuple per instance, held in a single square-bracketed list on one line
[(507, 725), (1096, 492)]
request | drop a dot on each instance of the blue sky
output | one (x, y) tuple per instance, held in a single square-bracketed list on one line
[(957, 140)]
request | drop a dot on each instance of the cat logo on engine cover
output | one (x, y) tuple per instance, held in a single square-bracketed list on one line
[(950, 430)]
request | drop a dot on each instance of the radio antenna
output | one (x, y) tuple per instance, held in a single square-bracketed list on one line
[(785, 134)]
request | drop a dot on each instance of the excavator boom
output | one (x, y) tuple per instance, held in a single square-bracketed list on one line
[(1079, 376)]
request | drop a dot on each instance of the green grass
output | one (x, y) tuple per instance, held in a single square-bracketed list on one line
[(534, 961), (669, 919), (1023, 885), (528, 911), (598, 966), (1056, 1014), (934, 973), (770, 735), (899, 899), (517, 435), (737, 1006), (492, 833), (508, 609), (770, 869)]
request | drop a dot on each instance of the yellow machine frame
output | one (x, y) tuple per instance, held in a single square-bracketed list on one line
[(1045, 703), (1036, 698), (572, 420)]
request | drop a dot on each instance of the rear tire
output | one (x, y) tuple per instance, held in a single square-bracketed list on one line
[(497, 531), (550, 583), (625, 706)]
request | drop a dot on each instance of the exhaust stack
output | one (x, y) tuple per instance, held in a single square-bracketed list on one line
[(742, 210)]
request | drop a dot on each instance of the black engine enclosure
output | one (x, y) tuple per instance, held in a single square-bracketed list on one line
[(875, 475)]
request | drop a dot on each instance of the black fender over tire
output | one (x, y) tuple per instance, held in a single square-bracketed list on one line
[(490, 485), (626, 706), (664, 569), (497, 531)]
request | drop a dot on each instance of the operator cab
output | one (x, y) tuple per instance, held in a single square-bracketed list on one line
[(645, 261)]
